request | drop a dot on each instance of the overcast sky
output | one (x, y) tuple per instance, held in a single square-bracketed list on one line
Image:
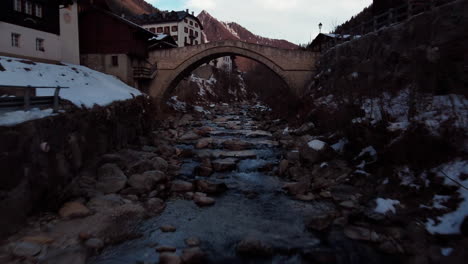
[(293, 20)]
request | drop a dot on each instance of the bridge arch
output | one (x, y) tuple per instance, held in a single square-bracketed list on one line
[(294, 67)]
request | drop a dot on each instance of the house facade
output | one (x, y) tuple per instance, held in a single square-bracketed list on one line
[(43, 30), (111, 44), (184, 27)]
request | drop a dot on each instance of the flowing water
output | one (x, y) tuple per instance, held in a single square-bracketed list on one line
[(253, 207)]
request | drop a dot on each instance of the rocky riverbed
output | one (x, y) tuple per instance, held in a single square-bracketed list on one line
[(227, 185)]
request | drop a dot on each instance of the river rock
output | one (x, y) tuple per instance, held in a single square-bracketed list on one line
[(94, 243), (169, 258), (25, 249), (236, 145), (361, 233), (168, 228), (192, 242), (193, 255), (204, 143), (209, 187), (140, 167), (320, 221), (105, 201), (182, 186), (242, 154), (111, 179), (189, 136), (74, 210), (155, 205), (160, 164), (283, 167), (296, 188), (41, 240), (203, 200), (253, 247), (316, 151), (225, 164), (166, 249)]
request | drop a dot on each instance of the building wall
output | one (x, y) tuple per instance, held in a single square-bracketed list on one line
[(69, 34), (103, 63), (27, 46), (181, 35)]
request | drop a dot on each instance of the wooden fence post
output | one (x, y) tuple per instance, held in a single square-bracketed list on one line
[(56, 99), (27, 98)]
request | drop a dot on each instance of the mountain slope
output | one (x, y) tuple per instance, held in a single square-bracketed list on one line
[(215, 30)]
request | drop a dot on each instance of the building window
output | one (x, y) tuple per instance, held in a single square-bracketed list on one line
[(115, 61), (166, 30), (185, 30), (196, 25), (152, 29), (196, 34), (15, 40), (185, 20), (196, 42), (175, 28), (185, 40), (17, 5), (159, 30), (40, 44), (38, 10), (191, 32), (176, 38), (28, 7), (191, 23)]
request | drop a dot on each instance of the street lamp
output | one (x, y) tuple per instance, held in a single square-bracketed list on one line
[(320, 28)]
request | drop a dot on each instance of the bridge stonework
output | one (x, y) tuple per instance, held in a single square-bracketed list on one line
[(295, 67)]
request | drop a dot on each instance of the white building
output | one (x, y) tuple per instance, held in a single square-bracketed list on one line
[(40, 30), (184, 27)]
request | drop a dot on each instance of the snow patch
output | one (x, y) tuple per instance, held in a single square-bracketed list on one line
[(16, 117), (316, 144), (386, 205)]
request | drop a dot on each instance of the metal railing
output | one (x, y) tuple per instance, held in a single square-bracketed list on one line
[(27, 101)]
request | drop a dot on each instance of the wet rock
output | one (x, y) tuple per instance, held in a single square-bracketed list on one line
[(283, 167), (169, 258), (361, 233), (296, 173), (204, 131), (348, 204), (210, 188), (155, 205), (204, 171), (149, 149), (243, 154), (94, 243), (258, 133), (189, 136), (192, 242), (168, 228), (293, 156), (253, 247), (70, 255), (74, 210), (319, 222), (296, 188), (236, 145), (159, 164), (105, 201), (391, 247), (204, 143), (166, 249), (203, 201), (140, 167), (182, 186), (114, 159), (148, 180), (25, 249), (41, 240), (326, 194), (304, 129), (305, 197), (193, 255), (111, 179), (224, 164)]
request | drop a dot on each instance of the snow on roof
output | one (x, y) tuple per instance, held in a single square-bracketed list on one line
[(86, 87), (336, 35), (159, 37)]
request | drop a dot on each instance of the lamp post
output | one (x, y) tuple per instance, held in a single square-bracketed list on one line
[(320, 27)]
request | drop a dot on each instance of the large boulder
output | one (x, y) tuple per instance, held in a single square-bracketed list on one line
[(74, 210), (105, 202), (225, 164), (316, 151), (204, 143), (160, 164), (147, 181), (182, 186), (111, 179), (236, 145), (209, 187)]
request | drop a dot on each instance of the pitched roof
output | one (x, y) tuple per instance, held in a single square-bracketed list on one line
[(164, 17)]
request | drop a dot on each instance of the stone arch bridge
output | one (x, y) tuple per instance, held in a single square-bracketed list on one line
[(295, 67)]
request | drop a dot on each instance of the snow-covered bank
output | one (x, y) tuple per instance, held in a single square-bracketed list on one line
[(16, 117), (86, 87)]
